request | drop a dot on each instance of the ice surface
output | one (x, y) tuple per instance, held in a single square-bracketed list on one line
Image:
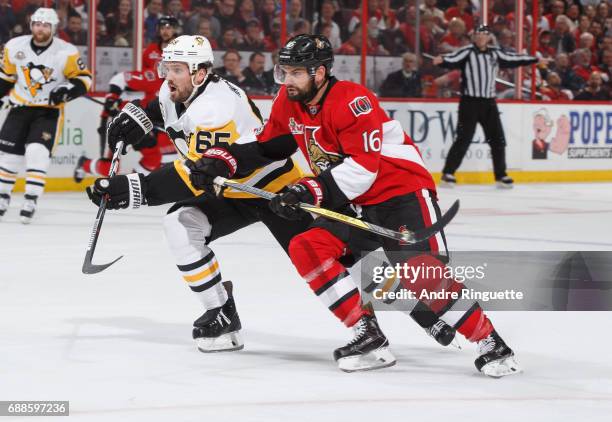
[(118, 344)]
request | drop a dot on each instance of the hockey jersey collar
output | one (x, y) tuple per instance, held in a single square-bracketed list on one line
[(314, 109), (180, 107), (38, 50)]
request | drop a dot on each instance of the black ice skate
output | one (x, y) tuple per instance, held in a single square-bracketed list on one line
[(368, 350), (5, 200), (79, 171), (495, 358), (441, 332), (28, 209), (218, 330)]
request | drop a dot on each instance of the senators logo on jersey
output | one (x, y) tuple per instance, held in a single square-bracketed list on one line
[(36, 76), (320, 159)]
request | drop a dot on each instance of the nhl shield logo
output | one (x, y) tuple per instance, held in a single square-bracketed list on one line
[(360, 105)]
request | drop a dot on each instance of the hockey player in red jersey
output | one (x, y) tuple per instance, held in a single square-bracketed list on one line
[(361, 160), (157, 148)]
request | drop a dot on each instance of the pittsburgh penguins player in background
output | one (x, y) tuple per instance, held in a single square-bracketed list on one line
[(40, 73), (200, 111)]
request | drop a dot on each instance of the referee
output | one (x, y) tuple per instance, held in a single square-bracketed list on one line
[(479, 63)]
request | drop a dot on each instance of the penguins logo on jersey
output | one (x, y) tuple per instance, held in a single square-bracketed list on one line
[(319, 158), (36, 76)]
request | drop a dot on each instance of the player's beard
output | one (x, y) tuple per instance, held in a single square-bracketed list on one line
[(303, 95), (182, 94), (41, 38)]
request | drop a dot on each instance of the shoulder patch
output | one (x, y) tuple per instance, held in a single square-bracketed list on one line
[(360, 105)]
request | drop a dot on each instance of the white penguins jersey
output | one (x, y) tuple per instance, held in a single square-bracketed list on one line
[(36, 75), (219, 115)]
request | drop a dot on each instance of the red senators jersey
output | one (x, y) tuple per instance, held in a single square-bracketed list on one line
[(370, 157)]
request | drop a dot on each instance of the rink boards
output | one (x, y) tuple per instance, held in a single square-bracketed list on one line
[(546, 142)]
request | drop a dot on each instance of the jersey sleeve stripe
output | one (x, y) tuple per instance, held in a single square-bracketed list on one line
[(352, 178)]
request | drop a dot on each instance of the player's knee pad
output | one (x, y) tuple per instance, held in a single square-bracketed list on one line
[(10, 164), (186, 231)]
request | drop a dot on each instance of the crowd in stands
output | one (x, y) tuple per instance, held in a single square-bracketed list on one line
[(575, 35)]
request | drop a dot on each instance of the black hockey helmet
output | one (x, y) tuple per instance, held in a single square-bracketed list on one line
[(167, 21), (309, 51), (483, 29)]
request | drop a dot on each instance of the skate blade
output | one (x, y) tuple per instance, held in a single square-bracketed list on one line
[(25, 220), (502, 368), (449, 185), (226, 343), (376, 359), (504, 185)]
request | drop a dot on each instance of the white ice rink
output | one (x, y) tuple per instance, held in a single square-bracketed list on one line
[(118, 345)]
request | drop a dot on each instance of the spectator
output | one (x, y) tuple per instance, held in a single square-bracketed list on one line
[(587, 40), (203, 9), (438, 15), (272, 41), (352, 46), (151, 15), (606, 65), (120, 24), (175, 8), (452, 39), (231, 67), (269, 13), (584, 23), (301, 27), (7, 21), (582, 63), (204, 29), (603, 12), (326, 18), (64, 11), (374, 39), (552, 91), (246, 14), (405, 82), (102, 37), (228, 39), (597, 30), (74, 30), (573, 13), (562, 40), (294, 14), (569, 79), (506, 40), (461, 10), (227, 9), (255, 80), (253, 39), (557, 9), (593, 91), (590, 11), (544, 47)]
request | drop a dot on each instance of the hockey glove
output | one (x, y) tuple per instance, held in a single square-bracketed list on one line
[(124, 191), (214, 162), (129, 126), (308, 190), (63, 93), (111, 105)]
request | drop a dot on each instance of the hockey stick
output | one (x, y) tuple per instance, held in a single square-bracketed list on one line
[(406, 236), (88, 266)]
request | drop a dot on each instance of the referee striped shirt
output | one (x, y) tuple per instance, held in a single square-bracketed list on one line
[(479, 67)]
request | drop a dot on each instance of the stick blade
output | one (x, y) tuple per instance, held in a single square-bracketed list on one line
[(438, 225), (90, 268)]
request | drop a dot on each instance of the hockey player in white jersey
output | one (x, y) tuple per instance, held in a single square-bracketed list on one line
[(202, 113), (40, 73)]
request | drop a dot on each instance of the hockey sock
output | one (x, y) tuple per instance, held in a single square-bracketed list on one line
[(37, 160), (474, 324), (10, 164), (315, 254), (186, 231)]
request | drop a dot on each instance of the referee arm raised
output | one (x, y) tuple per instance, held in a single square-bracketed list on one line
[(479, 63)]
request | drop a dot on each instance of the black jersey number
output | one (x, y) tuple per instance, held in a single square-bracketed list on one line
[(206, 139)]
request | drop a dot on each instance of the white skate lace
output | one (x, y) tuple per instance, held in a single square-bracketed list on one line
[(486, 345), (436, 328), (359, 330), (222, 318)]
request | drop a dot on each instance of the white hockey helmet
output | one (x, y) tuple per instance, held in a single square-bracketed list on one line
[(193, 50), (45, 15)]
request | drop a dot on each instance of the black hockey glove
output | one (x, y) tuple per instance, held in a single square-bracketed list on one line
[(63, 93), (111, 104), (128, 126), (124, 191), (308, 190), (214, 162)]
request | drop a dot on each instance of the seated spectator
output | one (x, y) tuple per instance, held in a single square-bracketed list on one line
[(204, 29), (573, 13), (327, 13), (245, 15), (229, 39), (582, 63), (268, 14), (102, 37), (294, 14), (120, 24), (463, 10), (562, 40), (593, 91), (569, 79), (603, 12), (544, 47), (353, 45), (227, 9), (301, 27), (7, 21), (64, 10), (605, 67), (203, 9), (231, 67), (256, 82), (74, 30), (272, 41), (584, 23), (253, 38), (552, 91), (452, 39), (405, 82), (151, 14), (587, 40), (374, 39), (557, 9), (175, 8), (439, 20)]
